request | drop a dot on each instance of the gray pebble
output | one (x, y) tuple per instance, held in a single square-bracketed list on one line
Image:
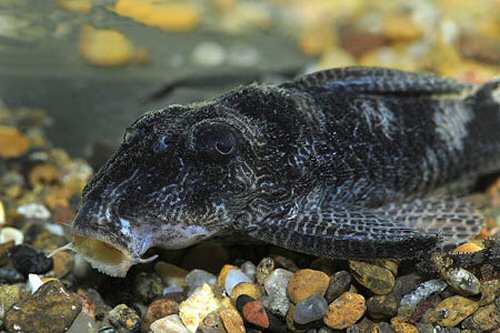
[(339, 283), (172, 289), (197, 277), (311, 309), (423, 291), (249, 269), (235, 277), (425, 328), (384, 327), (404, 284), (276, 288), (147, 286), (462, 281)]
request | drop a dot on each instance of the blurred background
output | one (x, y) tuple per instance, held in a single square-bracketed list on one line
[(94, 66)]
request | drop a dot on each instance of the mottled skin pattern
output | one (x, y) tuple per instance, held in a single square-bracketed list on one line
[(360, 163)]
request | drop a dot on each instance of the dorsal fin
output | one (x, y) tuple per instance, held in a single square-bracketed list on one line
[(376, 80)]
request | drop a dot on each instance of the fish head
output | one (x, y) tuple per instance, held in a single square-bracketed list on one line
[(182, 175)]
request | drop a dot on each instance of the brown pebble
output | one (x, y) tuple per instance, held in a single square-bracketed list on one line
[(212, 323), (221, 280), (382, 306), (379, 280), (246, 288), (255, 314), (13, 143), (306, 283), (345, 311), (156, 310), (486, 318), (63, 264), (264, 269), (453, 310), (402, 327), (230, 317)]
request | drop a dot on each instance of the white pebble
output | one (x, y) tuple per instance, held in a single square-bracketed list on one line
[(34, 211), (208, 54), (9, 233), (34, 282), (194, 309), (233, 278), (170, 323)]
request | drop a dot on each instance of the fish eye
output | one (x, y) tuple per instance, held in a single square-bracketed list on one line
[(216, 139)]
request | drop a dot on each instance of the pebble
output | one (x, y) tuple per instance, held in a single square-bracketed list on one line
[(9, 295), (231, 318), (311, 309), (275, 286), (194, 309), (208, 54), (170, 324), (10, 275), (212, 323), (264, 269), (489, 291), (156, 310), (5, 250), (124, 319), (221, 279), (249, 269), (400, 326), (13, 143), (306, 283), (340, 282), (453, 310), (384, 327), (197, 277), (31, 314), (468, 248), (233, 278), (64, 262), (486, 318), (379, 280), (246, 288), (382, 306), (171, 274), (425, 328), (404, 284), (147, 286), (462, 281), (26, 259), (345, 311), (422, 292), (11, 234), (82, 323), (34, 211), (254, 313)]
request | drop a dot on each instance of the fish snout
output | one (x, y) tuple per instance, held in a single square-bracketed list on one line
[(107, 240)]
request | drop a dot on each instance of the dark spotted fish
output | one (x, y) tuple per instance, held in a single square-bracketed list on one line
[(359, 163)]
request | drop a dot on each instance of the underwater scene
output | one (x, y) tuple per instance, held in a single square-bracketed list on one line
[(232, 166)]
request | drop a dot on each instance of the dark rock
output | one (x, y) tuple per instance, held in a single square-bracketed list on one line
[(124, 319), (10, 275), (255, 314), (28, 260), (147, 286), (404, 284), (384, 327), (340, 282), (311, 309), (156, 310), (380, 307), (51, 309)]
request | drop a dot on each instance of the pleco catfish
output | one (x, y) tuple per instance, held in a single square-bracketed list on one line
[(357, 163)]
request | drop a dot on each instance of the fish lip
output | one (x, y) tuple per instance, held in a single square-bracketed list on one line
[(97, 260)]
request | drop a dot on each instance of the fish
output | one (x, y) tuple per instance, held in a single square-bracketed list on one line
[(358, 163)]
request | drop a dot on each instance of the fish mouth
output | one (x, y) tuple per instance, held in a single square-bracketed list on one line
[(107, 258)]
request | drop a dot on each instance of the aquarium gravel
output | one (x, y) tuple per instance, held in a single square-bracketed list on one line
[(214, 286)]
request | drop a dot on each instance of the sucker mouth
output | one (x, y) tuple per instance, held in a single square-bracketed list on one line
[(105, 257)]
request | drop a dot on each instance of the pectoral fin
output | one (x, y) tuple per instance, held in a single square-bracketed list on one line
[(341, 232), (455, 219)]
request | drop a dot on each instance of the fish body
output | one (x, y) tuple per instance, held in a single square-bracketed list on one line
[(359, 163)]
